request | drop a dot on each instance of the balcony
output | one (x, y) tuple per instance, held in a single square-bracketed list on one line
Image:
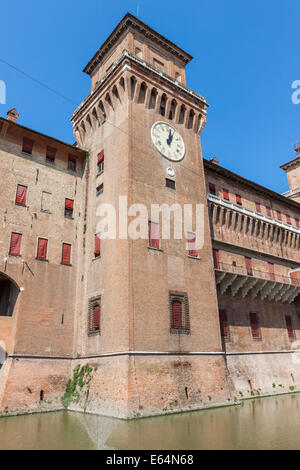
[(255, 283)]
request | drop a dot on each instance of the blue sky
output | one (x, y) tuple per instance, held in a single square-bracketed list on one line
[(246, 56)]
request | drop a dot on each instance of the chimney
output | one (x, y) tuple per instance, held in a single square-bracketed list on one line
[(12, 115), (214, 160)]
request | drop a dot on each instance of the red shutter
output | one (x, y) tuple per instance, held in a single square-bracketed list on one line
[(96, 317), (289, 326), (279, 215), (100, 157), (254, 325), (248, 262), (191, 244), (223, 323), (15, 244), (258, 207), (297, 222), (271, 271), (216, 256), (226, 194), (288, 219), (66, 253), (27, 145), (269, 213), (239, 199), (42, 248), (69, 204), (21, 195), (50, 154), (212, 188), (177, 314), (153, 235), (97, 245)]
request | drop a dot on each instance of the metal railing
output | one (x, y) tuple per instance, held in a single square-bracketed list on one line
[(265, 275)]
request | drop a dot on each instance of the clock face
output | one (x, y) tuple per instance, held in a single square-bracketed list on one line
[(168, 141)]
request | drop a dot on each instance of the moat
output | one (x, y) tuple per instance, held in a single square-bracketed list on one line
[(267, 423)]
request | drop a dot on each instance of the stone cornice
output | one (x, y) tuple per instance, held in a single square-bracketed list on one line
[(130, 21), (292, 164)]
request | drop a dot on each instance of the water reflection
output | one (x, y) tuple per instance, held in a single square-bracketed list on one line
[(269, 423)]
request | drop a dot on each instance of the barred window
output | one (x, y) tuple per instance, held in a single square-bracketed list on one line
[(179, 313), (94, 316)]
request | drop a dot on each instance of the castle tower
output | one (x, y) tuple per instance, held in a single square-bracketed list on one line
[(292, 169), (149, 314)]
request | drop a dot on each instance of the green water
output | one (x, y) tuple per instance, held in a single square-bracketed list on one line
[(268, 423)]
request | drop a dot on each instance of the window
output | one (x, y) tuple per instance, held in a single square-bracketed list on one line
[(170, 184), (21, 195), (158, 64), (258, 207), (192, 245), (224, 324), (94, 315), (153, 235), (269, 212), (27, 146), (69, 207), (72, 163), (46, 202), (100, 162), (179, 312), (288, 219), (239, 199), (66, 253), (271, 271), (42, 249), (248, 263), (289, 326), (97, 246), (212, 188), (50, 155), (255, 330), (216, 256), (279, 215), (99, 190), (226, 194), (297, 222), (15, 244)]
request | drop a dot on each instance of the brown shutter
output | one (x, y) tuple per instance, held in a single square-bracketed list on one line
[(27, 145), (239, 199), (176, 314), (154, 235), (21, 195), (258, 207), (42, 248), (212, 188), (269, 213), (96, 317), (216, 256), (69, 204), (288, 219), (66, 253), (289, 326), (223, 323), (271, 271), (191, 244), (248, 262), (254, 325), (279, 215), (15, 244), (297, 222), (97, 245), (100, 157), (50, 153)]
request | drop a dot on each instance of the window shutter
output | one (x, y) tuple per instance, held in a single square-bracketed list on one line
[(295, 277), (72, 163), (66, 253), (42, 248), (297, 222), (288, 219), (69, 204), (96, 317), (27, 145), (97, 245), (239, 199), (15, 244), (21, 195), (271, 271), (212, 188), (191, 244), (153, 235), (226, 194), (50, 154), (279, 215), (269, 213), (258, 207), (223, 323), (177, 314), (216, 256), (248, 262), (289, 326), (254, 325), (100, 157)]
